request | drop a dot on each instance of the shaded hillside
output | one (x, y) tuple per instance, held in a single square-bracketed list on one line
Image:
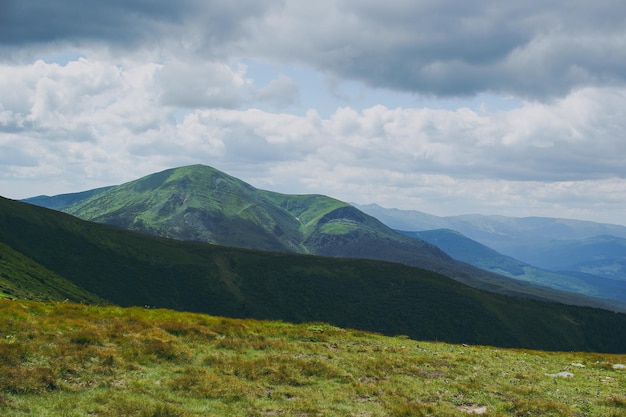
[(23, 279), (200, 203), (134, 269), (474, 253)]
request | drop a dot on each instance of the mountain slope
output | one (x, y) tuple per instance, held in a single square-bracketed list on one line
[(200, 203), (193, 203), (133, 269), (62, 201), (474, 253), (136, 362), (603, 256), (22, 278)]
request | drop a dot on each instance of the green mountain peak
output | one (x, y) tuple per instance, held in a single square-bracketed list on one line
[(201, 203)]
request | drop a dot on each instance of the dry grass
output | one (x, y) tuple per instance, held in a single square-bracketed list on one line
[(59, 359)]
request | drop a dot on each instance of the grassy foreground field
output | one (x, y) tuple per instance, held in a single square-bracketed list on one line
[(62, 359)]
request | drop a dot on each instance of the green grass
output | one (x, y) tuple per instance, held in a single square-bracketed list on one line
[(62, 359), (339, 227)]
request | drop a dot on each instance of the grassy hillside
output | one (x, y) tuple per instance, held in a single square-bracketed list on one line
[(128, 269), (193, 203), (61, 359), (23, 279), (62, 201), (200, 203)]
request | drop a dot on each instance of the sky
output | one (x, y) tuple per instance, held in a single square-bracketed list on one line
[(442, 106)]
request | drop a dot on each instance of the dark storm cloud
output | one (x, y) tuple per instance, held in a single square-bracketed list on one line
[(127, 23), (27, 21), (532, 49)]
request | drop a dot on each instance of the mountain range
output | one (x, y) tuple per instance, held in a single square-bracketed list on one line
[(467, 250), (129, 268), (200, 203), (561, 245), (579, 256)]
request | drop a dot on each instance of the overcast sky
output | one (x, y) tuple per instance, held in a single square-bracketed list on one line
[(442, 106)]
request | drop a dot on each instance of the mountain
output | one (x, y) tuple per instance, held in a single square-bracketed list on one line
[(467, 250), (62, 201), (497, 232), (200, 203), (128, 268), (603, 256), (560, 245)]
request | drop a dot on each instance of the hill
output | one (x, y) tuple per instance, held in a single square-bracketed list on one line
[(200, 203), (474, 253), (22, 278), (128, 268), (74, 360)]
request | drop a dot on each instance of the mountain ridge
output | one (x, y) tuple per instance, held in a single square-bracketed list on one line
[(571, 247), (128, 268), (201, 203), (464, 249)]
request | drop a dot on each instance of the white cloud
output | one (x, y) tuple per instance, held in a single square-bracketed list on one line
[(532, 49), (149, 87), (193, 84), (89, 116), (281, 92)]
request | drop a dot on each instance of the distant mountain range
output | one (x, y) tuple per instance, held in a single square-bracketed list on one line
[(95, 262), (200, 203), (550, 243), (467, 250), (588, 251)]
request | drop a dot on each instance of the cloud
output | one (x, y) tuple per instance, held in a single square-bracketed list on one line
[(578, 137), (97, 93), (12, 154), (535, 50), (125, 24), (281, 92), (531, 49), (575, 139), (193, 84)]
